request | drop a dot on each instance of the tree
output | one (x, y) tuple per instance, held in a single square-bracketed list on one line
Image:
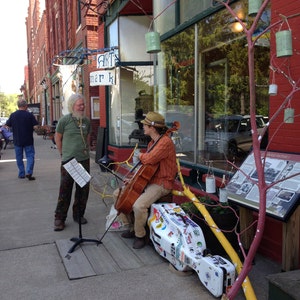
[(8, 104), (259, 162)]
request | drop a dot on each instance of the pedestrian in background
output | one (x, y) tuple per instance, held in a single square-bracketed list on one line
[(72, 139), (23, 124)]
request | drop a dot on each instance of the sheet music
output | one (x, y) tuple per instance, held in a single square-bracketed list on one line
[(78, 172)]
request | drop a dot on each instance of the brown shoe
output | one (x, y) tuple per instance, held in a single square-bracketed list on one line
[(128, 234), (139, 243), (59, 225)]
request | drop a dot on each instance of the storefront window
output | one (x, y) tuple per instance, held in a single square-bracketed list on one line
[(176, 92), (224, 72), (189, 9), (131, 100), (208, 91), (166, 11), (131, 97)]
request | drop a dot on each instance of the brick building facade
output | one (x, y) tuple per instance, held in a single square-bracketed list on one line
[(286, 136), (63, 35)]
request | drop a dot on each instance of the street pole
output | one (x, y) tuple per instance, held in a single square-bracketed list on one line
[(46, 107), (44, 85)]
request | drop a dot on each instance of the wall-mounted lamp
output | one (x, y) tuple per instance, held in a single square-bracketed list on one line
[(236, 24), (43, 83), (237, 27)]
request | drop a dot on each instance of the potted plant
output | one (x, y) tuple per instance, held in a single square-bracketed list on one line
[(225, 217)]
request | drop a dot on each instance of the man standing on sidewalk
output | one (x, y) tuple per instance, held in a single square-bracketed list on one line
[(72, 139), (23, 123)]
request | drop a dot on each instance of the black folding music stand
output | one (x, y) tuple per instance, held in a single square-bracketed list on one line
[(79, 240), (81, 177)]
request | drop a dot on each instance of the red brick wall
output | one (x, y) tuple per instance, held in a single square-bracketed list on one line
[(287, 138), (87, 37), (282, 137), (65, 34), (34, 43), (59, 35)]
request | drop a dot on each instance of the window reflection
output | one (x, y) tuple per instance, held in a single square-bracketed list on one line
[(131, 99), (179, 89), (221, 89)]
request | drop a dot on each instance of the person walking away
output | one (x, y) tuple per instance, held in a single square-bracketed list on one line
[(161, 184), (72, 139), (23, 123)]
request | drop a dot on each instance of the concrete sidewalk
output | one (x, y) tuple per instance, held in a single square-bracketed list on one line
[(32, 266)]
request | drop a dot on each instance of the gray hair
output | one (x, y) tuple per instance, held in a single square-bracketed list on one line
[(22, 103), (72, 100)]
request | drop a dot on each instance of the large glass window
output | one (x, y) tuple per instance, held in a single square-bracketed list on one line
[(189, 9), (169, 14), (203, 82), (78, 13), (176, 92), (131, 99)]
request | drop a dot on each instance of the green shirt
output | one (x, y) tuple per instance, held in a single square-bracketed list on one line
[(74, 141)]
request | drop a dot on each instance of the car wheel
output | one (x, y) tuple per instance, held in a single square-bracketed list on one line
[(232, 148)]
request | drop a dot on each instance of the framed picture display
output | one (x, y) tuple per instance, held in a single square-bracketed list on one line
[(282, 170), (95, 107)]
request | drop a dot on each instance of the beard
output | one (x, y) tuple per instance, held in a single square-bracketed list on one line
[(78, 114)]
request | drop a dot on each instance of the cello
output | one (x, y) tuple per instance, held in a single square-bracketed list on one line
[(135, 187)]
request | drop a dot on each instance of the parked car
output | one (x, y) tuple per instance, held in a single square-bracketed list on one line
[(231, 134)]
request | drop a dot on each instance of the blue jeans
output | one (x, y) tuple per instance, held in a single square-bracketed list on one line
[(29, 152)]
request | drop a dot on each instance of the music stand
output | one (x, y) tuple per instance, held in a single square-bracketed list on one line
[(81, 177)]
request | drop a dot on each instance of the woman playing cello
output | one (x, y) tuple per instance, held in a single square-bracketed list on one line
[(162, 158)]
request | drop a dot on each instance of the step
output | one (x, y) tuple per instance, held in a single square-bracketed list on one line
[(284, 286)]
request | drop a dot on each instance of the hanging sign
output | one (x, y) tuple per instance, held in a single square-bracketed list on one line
[(106, 60), (106, 77)]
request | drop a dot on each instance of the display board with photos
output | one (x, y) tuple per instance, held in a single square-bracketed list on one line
[(282, 198)]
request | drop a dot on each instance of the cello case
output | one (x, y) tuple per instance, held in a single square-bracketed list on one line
[(181, 241)]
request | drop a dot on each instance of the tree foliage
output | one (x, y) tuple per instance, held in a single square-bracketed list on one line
[(8, 104)]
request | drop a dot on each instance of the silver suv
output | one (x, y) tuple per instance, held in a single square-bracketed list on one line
[(231, 134)]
